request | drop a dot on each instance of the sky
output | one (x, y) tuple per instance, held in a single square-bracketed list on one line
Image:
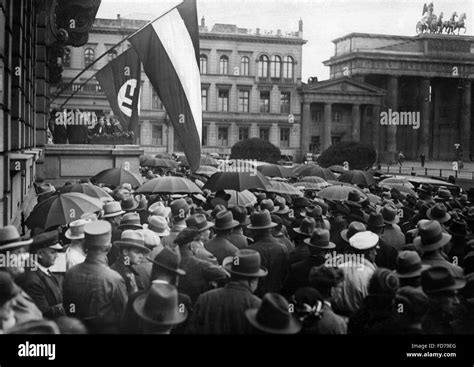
[(323, 20)]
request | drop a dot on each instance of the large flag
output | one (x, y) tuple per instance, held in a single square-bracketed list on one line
[(169, 51), (120, 80)]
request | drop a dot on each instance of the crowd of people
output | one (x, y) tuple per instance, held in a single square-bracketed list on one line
[(195, 264)]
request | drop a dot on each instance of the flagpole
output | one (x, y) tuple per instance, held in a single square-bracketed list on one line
[(104, 54)]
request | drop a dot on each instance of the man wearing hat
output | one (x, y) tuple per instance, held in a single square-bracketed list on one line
[(386, 255), (441, 286), (42, 285), (112, 212), (75, 253), (274, 254), (220, 246), (425, 192), (297, 215), (160, 210), (220, 198), (409, 268), (347, 233), (280, 233), (179, 212), (415, 305), (305, 230), (238, 237), (392, 234), (199, 221), (457, 248), (132, 252), (93, 292), (222, 311), (354, 202)]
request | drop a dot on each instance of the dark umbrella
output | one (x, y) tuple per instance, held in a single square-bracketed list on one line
[(336, 168), (238, 181), (116, 177), (62, 209), (169, 185), (339, 192), (283, 188), (88, 189), (274, 170), (164, 156), (143, 158), (310, 185), (357, 177), (315, 170), (315, 179)]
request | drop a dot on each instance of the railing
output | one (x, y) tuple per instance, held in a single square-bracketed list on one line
[(424, 171), (84, 89)]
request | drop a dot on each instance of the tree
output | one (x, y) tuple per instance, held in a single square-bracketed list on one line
[(255, 148), (359, 156)]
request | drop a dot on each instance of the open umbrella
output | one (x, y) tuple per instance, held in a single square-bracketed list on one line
[(315, 170), (402, 188), (209, 161), (143, 158), (283, 188), (399, 181), (116, 177), (237, 181), (88, 189), (339, 192), (62, 209), (169, 185), (357, 177), (336, 168), (164, 156), (315, 179), (241, 198), (310, 185), (207, 171), (274, 170)]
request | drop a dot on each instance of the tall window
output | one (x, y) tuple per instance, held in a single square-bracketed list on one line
[(316, 115), (223, 103), (89, 56), (204, 135), (244, 100), (224, 65), (336, 116), (263, 66), (288, 67), (285, 137), (285, 99), (155, 100), (67, 57), (264, 101), (203, 64), (204, 98), (223, 136), (243, 133), (244, 65), (112, 55), (157, 134), (275, 67), (265, 133)]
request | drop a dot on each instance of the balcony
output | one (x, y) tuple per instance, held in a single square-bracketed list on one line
[(88, 89), (275, 81)]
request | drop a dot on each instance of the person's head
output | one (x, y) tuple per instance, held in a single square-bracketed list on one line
[(409, 268), (97, 237), (130, 221), (112, 212), (383, 283), (245, 267), (179, 210), (376, 224), (225, 223), (261, 223), (319, 242), (186, 236), (411, 304), (46, 246), (166, 266), (366, 244), (8, 291), (101, 121), (11, 244), (132, 247), (199, 221), (325, 280)]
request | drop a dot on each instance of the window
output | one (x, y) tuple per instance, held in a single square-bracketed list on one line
[(316, 115), (112, 55), (157, 134), (67, 58), (155, 101), (265, 133), (335, 140), (203, 64), (263, 66), (315, 145), (89, 56), (336, 116), (243, 133), (204, 135), (285, 99), (224, 65), (223, 103), (285, 137), (264, 101), (244, 100), (275, 67), (244, 65), (204, 98), (288, 66), (222, 136)]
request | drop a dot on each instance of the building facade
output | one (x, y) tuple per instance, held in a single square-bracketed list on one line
[(248, 86)]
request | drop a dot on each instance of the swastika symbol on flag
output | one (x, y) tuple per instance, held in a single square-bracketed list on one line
[(125, 96)]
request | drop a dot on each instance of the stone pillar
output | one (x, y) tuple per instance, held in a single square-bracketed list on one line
[(212, 134), (391, 130), (305, 127), (170, 140), (376, 127), (356, 122), (274, 135), (424, 134), (466, 121), (326, 141), (254, 132), (233, 134)]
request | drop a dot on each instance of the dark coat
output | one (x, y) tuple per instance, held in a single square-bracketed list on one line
[(298, 274), (238, 240), (221, 248), (386, 256), (374, 314), (274, 256), (95, 294), (222, 311), (300, 253), (114, 250), (129, 275), (45, 291)]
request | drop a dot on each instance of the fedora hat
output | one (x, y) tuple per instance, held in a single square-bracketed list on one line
[(10, 238), (46, 240), (354, 199), (179, 209), (261, 220), (282, 207), (306, 227), (314, 211), (364, 240), (301, 202), (273, 316), (91, 217), (240, 215), (458, 228), (425, 188), (320, 238), (409, 265), (440, 279), (159, 209), (443, 195), (439, 213), (375, 220), (389, 214), (97, 234), (431, 236), (130, 220), (76, 229), (168, 260), (159, 305), (268, 205), (354, 227), (199, 221), (218, 208), (158, 225), (112, 209), (224, 220), (132, 239), (245, 262), (129, 204), (8, 288)]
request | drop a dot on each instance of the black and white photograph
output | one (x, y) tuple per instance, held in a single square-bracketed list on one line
[(237, 174)]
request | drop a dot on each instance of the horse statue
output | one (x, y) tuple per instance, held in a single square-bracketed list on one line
[(439, 24), (427, 21), (460, 23), (449, 24)]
